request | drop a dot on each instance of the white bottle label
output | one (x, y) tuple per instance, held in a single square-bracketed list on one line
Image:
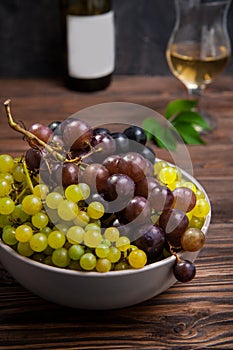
[(91, 45)]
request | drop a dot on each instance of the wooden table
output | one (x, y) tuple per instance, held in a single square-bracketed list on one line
[(196, 315)]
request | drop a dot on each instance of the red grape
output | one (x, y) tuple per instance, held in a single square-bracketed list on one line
[(96, 176), (184, 199), (174, 222), (43, 132), (184, 270), (76, 133), (137, 209), (151, 240)]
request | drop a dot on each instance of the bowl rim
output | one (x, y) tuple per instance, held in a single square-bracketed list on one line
[(115, 273)]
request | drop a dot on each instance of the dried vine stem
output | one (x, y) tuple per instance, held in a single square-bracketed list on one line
[(28, 134)]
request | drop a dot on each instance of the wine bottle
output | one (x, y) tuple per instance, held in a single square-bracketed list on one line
[(89, 43)]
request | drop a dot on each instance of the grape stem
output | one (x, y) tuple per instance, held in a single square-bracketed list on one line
[(28, 134), (28, 179)]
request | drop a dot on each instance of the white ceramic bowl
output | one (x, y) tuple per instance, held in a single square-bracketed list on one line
[(93, 290)]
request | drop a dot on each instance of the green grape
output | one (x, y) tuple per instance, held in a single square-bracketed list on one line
[(75, 265), (92, 239), (167, 175), (201, 208), (106, 242), (75, 234), (137, 258), (122, 265), (60, 257), (200, 194), (190, 185), (8, 177), (192, 239), (73, 193), (31, 204), (40, 220), (102, 250), (38, 242), (53, 199), (92, 227), (24, 249), (196, 222), (6, 163), (88, 261), (112, 234), (18, 215), (67, 210), (48, 260), (46, 230), (23, 233), (5, 188), (85, 190), (8, 235), (158, 166), (48, 250), (95, 210), (18, 173), (62, 227), (82, 219), (41, 191), (56, 239), (39, 257), (103, 265), (114, 254), (4, 220), (7, 205), (77, 192), (123, 243), (76, 251)]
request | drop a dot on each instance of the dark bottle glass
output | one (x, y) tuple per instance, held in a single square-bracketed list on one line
[(89, 43)]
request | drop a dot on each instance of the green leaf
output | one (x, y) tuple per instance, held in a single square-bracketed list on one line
[(177, 106), (189, 134), (190, 118), (162, 135)]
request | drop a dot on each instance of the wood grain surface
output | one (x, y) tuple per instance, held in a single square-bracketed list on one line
[(196, 315)]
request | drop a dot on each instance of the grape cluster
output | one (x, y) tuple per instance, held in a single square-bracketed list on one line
[(89, 200)]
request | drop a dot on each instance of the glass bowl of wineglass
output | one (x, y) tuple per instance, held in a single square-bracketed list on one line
[(199, 47)]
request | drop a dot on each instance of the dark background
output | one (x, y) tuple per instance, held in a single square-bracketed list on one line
[(30, 37)]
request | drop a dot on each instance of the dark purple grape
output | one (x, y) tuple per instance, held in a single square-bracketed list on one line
[(145, 186), (76, 133), (151, 240), (122, 142), (138, 208), (33, 159), (149, 154), (96, 176), (119, 189), (184, 199), (111, 163), (70, 174), (41, 131), (136, 133), (160, 198), (133, 165), (174, 222), (101, 131), (149, 168), (184, 270), (104, 145), (55, 127)]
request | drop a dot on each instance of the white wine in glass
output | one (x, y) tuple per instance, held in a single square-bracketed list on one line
[(199, 47)]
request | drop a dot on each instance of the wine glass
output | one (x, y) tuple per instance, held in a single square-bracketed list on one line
[(199, 47)]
